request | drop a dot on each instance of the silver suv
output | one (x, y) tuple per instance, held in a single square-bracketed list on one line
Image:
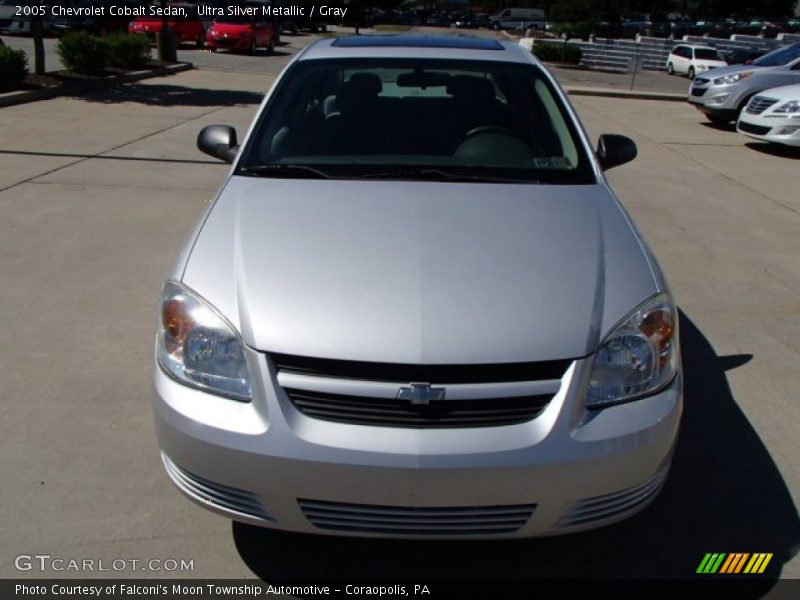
[(416, 307), (722, 93)]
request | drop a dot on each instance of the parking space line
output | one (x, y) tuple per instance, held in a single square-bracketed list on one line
[(105, 152), (104, 157)]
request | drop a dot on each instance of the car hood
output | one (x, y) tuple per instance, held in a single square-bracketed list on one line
[(419, 272), (733, 69), (152, 23), (784, 92), (231, 28)]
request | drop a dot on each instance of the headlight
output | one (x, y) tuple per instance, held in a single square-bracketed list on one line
[(198, 347), (793, 106), (728, 79), (638, 358)]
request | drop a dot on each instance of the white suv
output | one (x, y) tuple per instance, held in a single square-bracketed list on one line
[(690, 60)]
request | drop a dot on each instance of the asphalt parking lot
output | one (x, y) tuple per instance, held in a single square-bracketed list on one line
[(97, 193)]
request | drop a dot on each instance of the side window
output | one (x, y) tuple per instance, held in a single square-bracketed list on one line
[(505, 13)]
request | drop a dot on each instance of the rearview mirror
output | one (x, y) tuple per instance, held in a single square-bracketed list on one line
[(422, 79), (218, 141), (614, 150)]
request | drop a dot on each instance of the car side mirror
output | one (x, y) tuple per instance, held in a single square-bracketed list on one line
[(218, 141), (614, 150)]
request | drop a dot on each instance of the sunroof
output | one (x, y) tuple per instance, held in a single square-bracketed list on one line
[(416, 41)]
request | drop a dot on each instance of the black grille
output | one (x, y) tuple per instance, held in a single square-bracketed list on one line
[(405, 373), (754, 129), (759, 104), (381, 412), (697, 92), (407, 520), (227, 42)]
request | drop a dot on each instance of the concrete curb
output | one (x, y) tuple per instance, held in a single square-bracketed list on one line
[(12, 98), (626, 94)]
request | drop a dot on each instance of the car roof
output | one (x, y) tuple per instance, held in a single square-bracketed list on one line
[(417, 46)]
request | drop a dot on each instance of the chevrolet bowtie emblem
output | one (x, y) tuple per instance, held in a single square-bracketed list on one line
[(420, 393)]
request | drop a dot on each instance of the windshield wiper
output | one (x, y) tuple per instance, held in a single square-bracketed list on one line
[(281, 170), (431, 174), (404, 173)]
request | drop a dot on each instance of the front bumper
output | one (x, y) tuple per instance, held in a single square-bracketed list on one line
[(267, 464), (720, 100), (227, 43), (770, 127)]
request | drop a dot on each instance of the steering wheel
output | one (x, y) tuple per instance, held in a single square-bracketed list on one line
[(483, 129), (509, 141)]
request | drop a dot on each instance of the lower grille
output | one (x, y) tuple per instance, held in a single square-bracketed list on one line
[(381, 412), (216, 494), (754, 129), (759, 104), (697, 92), (402, 520), (608, 506)]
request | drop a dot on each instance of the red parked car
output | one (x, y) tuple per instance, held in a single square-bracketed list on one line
[(187, 30), (244, 34)]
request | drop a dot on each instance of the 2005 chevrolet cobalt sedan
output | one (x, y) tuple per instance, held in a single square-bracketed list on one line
[(416, 308)]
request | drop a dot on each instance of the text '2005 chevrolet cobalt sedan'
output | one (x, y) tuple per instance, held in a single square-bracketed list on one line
[(416, 308)]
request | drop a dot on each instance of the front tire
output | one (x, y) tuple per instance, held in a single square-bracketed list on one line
[(252, 49), (670, 69), (690, 73), (271, 47), (717, 119)]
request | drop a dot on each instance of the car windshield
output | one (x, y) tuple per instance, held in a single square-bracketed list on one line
[(417, 119), (707, 54), (779, 57)]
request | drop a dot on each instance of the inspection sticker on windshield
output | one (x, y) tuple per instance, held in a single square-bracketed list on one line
[(552, 162)]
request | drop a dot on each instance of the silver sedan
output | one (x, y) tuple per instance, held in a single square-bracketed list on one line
[(416, 308)]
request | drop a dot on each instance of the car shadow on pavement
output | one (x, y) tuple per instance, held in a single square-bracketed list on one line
[(775, 149), (170, 95), (719, 126), (724, 494)]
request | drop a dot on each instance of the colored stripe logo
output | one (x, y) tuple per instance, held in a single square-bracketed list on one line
[(734, 563)]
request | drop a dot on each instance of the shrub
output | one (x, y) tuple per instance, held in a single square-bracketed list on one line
[(13, 67), (82, 52), (557, 52), (127, 51)]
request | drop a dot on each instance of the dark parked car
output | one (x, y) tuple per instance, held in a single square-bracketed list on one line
[(653, 25), (438, 20), (464, 21), (740, 56)]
